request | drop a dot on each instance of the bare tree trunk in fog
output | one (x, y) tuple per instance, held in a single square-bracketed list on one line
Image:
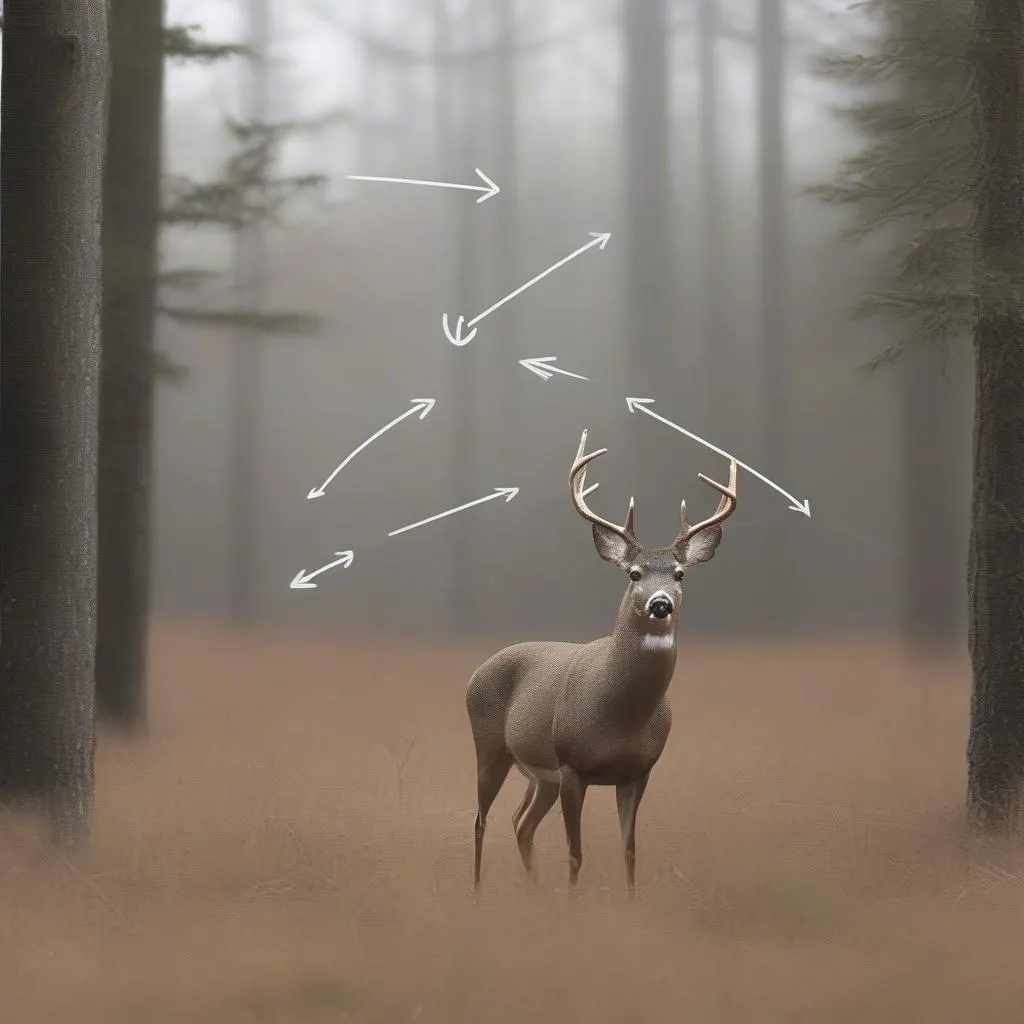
[(455, 101), (717, 355), (53, 108), (782, 560), (131, 225), (250, 273), (931, 550), (650, 263), (995, 751), (505, 129)]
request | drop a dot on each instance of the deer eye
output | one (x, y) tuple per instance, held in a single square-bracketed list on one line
[(635, 574), (679, 574)]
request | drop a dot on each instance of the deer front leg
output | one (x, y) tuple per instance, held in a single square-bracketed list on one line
[(627, 800), (573, 790)]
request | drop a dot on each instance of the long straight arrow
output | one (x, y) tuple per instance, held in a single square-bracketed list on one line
[(508, 493), (490, 189), (420, 405), (302, 578), (600, 239), (642, 404)]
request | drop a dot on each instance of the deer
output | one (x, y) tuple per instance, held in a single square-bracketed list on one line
[(570, 716)]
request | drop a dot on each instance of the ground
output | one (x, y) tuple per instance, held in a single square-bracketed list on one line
[(293, 843)]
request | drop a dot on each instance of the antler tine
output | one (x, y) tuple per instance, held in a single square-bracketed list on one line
[(726, 506), (579, 491)]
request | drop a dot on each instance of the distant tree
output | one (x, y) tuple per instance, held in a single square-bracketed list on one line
[(996, 564), (910, 185), (52, 106), (140, 204)]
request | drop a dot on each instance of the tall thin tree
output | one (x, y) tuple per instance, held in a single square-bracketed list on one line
[(996, 566), (131, 230), (774, 274), (53, 107), (250, 261), (649, 252)]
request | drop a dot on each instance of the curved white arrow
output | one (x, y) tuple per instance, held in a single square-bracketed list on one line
[(642, 403), (600, 239), (541, 365), (489, 190), (508, 493), (420, 405), (302, 578)]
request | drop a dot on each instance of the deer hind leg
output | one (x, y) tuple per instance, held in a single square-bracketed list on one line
[(527, 797), (573, 791), (543, 795), (491, 773), (627, 800)]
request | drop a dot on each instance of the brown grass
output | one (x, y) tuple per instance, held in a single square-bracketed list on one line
[(293, 843)]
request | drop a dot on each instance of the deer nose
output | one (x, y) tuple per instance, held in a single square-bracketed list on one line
[(660, 606)]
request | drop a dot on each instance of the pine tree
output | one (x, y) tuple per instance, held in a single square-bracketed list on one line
[(141, 204), (910, 186)]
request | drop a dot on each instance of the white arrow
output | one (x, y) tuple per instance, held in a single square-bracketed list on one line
[(302, 578), (508, 493), (600, 239), (489, 190), (420, 405), (642, 403), (541, 365)]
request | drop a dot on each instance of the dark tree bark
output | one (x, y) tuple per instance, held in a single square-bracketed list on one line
[(931, 551), (53, 109), (996, 565), (131, 226)]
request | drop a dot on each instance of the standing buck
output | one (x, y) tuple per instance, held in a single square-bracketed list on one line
[(574, 715)]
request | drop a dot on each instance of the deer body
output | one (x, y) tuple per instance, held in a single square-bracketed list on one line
[(570, 716)]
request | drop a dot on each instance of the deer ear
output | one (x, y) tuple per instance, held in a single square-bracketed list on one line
[(701, 547), (613, 548)]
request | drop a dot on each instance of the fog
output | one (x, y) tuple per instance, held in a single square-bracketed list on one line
[(381, 262)]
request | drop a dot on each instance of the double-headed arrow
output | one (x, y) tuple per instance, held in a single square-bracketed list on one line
[(302, 578), (633, 404), (600, 239), (420, 405)]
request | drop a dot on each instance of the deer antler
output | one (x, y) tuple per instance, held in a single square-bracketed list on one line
[(579, 491), (726, 506)]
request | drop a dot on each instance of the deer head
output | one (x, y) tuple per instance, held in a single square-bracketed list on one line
[(655, 575)]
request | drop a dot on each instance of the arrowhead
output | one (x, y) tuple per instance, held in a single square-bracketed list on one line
[(301, 581), (457, 338), (603, 235), (632, 404), (317, 492), (803, 506), (426, 403), (494, 190), (345, 556), (533, 365), (508, 492)]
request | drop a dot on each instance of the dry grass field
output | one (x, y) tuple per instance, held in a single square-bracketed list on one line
[(293, 843)]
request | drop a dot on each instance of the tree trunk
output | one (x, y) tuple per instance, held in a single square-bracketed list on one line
[(250, 259), (713, 271), (930, 549), (131, 225), (995, 752), (649, 250), (782, 557), (52, 106)]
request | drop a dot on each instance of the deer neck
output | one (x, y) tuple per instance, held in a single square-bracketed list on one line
[(641, 660)]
